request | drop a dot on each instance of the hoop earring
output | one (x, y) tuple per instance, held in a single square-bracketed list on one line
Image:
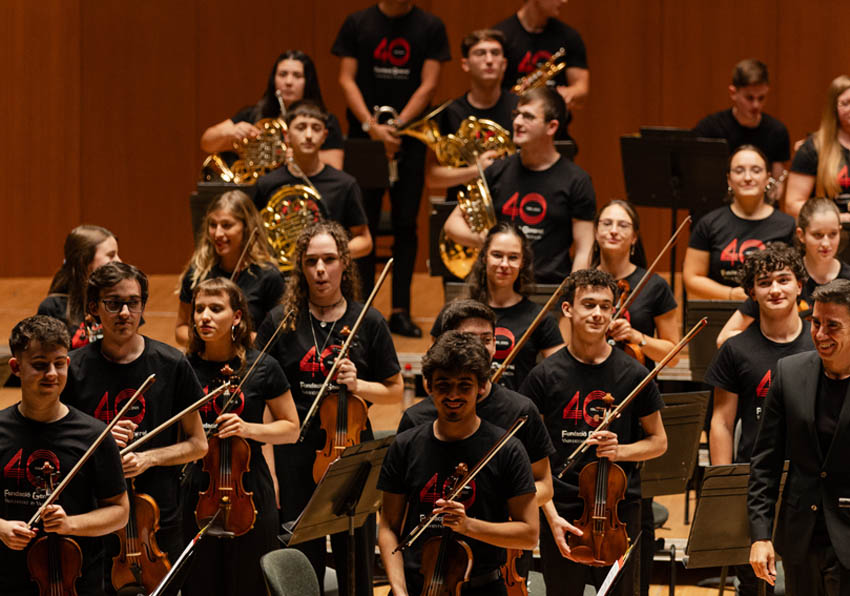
[(233, 332)]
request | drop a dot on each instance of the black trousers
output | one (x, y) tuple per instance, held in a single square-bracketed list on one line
[(820, 573), (405, 197), (564, 577)]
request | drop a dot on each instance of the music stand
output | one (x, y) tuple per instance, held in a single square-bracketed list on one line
[(346, 495), (683, 416), (674, 169), (704, 346)]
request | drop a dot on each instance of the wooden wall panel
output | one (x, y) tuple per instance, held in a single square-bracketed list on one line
[(108, 100)]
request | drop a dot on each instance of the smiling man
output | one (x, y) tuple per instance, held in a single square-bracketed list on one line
[(806, 420)]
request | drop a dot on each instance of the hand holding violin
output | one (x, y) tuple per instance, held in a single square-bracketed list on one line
[(454, 515), (231, 425), (347, 375), (560, 528), (56, 520), (136, 462), (15, 534), (622, 330), (606, 444)]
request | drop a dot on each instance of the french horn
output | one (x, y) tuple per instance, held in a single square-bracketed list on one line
[(288, 213)]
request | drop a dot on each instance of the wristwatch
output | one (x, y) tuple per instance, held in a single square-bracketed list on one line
[(366, 126), (643, 340)]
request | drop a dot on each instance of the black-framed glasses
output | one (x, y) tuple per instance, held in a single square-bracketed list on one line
[(113, 305)]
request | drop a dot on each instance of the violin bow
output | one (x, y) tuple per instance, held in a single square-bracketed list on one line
[(464, 482), (343, 352), (183, 558), (606, 422), (518, 346), (106, 431), (235, 273)]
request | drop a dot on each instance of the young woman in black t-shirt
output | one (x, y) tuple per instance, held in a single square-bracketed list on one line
[(294, 77), (502, 278), (86, 248), (229, 223), (264, 414), (722, 238)]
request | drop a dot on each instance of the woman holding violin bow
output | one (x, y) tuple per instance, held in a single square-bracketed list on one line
[(234, 474), (319, 309), (41, 440)]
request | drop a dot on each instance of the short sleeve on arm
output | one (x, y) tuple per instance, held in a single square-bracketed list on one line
[(186, 288), (806, 159), (576, 51), (722, 372), (109, 475), (345, 44), (584, 199), (438, 46), (700, 239), (334, 139)]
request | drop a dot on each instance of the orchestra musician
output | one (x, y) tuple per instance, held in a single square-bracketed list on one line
[(227, 226), (818, 236), (340, 195), (821, 167), (420, 460), (105, 373), (742, 369), (502, 277), (721, 239), (805, 420), (322, 299), (568, 388), (549, 197), (294, 78), (746, 124), (87, 247), (41, 430), (221, 335), (390, 56)]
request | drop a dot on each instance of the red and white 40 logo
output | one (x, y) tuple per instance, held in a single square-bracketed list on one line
[(531, 208), (735, 254), (396, 51), (107, 409), (590, 410)]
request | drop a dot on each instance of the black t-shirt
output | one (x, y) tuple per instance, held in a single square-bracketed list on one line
[(526, 51), (390, 53), (655, 299), (266, 382), (831, 394), (56, 306), (417, 466), (806, 162), (728, 238), (99, 387), (502, 407), (262, 286), (372, 353), (569, 395), (744, 366), (770, 135), (543, 204), (25, 446), (341, 198), (334, 139), (804, 302)]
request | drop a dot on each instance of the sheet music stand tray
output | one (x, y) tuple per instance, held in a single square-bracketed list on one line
[(674, 169), (346, 495), (683, 416)]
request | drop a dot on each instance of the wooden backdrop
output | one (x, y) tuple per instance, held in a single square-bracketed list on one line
[(103, 103)]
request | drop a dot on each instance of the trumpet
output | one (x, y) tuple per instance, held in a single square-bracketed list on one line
[(424, 129), (541, 75)]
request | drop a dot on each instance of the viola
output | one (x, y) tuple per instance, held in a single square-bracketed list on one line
[(343, 417), (446, 560), (602, 485), (630, 348), (54, 562), (514, 582), (226, 461), (139, 561)]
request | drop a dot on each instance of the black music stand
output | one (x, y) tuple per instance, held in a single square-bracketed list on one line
[(346, 495), (683, 416), (704, 346), (674, 169)]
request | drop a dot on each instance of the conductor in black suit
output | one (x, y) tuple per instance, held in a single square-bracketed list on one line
[(807, 421)]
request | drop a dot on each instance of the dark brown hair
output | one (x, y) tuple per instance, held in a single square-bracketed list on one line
[(110, 274), (47, 331), (476, 281), (454, 313), (638, 256), (241, 333), (455, 353), (749, 72), (775, 257), (472, 39), (554, 107), (835, 292), (589, 278)]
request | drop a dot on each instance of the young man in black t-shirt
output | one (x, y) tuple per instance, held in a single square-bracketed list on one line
[(391, 54), (568, 388), (41, 439), (549, 197), (341, 200), (495, 511), (741, 371), (746, 124), (105, 373)]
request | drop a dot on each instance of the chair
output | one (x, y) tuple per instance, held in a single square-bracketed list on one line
[(288, 572)]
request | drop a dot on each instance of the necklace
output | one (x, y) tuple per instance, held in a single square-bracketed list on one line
[(322, 309), (316, 341)]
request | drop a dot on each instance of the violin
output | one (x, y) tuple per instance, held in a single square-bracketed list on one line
[(630, 348), (226, 461), (446, 560), (343, 417), (54, 562), (602, 485), (139, 561), (514, 582)]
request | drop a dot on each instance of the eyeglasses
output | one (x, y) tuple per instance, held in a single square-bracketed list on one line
[(610, 223), (133, 305), (527, 116)]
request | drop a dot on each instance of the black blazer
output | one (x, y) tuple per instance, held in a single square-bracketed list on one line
[(815, 480)]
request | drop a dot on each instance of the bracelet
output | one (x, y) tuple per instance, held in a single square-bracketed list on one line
[(643, 340)]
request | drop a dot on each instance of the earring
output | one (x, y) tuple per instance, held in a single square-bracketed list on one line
[(233, 332), (632, 250), (729, 190)]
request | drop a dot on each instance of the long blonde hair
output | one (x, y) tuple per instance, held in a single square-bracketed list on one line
[(240, 206), (826, 141)]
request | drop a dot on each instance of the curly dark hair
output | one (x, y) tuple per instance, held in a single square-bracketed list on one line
[(476, 281), (638, 256), (297, 292), (774, 257), (835, 292), (47, 331), (589, 278), (455, 352), (241, 337), (456, 311), (110, 274)]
